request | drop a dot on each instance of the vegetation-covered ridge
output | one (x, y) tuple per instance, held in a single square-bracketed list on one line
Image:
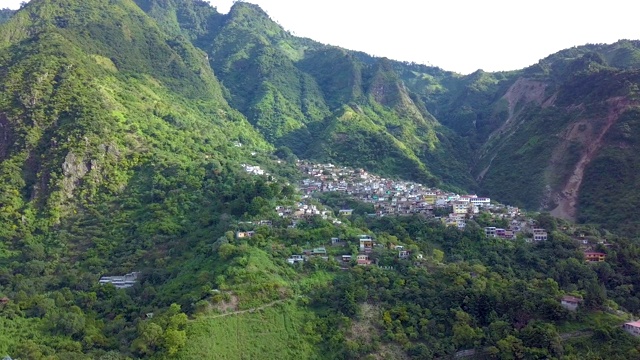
[(523, 137), (146, 209), (322, 102)]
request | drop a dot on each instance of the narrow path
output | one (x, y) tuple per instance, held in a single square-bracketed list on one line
[(575, 334), (248, 310)]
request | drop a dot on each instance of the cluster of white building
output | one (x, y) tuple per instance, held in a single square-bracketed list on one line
[(389, 197), (254, 169), (120, 282)]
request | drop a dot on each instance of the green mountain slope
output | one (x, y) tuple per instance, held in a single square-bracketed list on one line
[(298, 93), (507, 135), (562, 115), (536, 133), (124, 128), (5, 15), (118, 154)]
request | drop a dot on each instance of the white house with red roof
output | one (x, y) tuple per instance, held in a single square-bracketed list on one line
[(570, 302), (632, 328)]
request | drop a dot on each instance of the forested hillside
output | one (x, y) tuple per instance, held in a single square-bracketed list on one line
[(117, 148), (159, 138), (5, 14), (320, 101), (533, 137)]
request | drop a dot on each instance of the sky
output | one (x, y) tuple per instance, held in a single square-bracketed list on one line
[(456, 35)]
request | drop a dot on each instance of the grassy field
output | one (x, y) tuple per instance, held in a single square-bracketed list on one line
[(274, 332), (593, 321)]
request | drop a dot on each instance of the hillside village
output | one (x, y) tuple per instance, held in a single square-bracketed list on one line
[(389, 197), (392, 197)]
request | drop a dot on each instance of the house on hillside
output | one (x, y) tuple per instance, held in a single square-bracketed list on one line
[(430, 197), (480, 201), (490, 231), (245, 234), (540, 235), (294, 259), (366, 242), (120, 282), (632, 328), (594, 256), (570, 302), (460, 207), (319, 251), (507, 234), (345, 212), (363, 260)]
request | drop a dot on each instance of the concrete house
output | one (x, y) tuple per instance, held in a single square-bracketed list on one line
[(460, 207), (570, 302), (632, 328), (490, 231), (120, 282), (294, 259), (366, 243), (363, 260), (594, 256), (540, 235)]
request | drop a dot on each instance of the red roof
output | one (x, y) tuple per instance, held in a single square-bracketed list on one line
[(634, 323), (571, 299)]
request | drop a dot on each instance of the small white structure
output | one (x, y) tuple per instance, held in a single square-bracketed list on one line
[(480, 201), (255, 170), (120, 282), (294, 259)]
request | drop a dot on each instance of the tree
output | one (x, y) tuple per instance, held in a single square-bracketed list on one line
[(595, 295), (510, 348), (174, 340), (150, 337), (546, 221)]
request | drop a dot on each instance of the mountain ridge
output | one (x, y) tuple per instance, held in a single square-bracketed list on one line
[(440, 127), (161, 147)]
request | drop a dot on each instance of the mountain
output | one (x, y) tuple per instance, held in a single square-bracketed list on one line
[(322, 102), (529, 137), (157, 139), (119, 153), (566, 134)]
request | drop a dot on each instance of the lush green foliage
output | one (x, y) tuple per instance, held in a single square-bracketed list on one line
[(5, 15), (498, 296), (121, 151), (275, 332)]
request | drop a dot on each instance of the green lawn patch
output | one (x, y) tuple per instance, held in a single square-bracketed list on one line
[(271, 333)]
